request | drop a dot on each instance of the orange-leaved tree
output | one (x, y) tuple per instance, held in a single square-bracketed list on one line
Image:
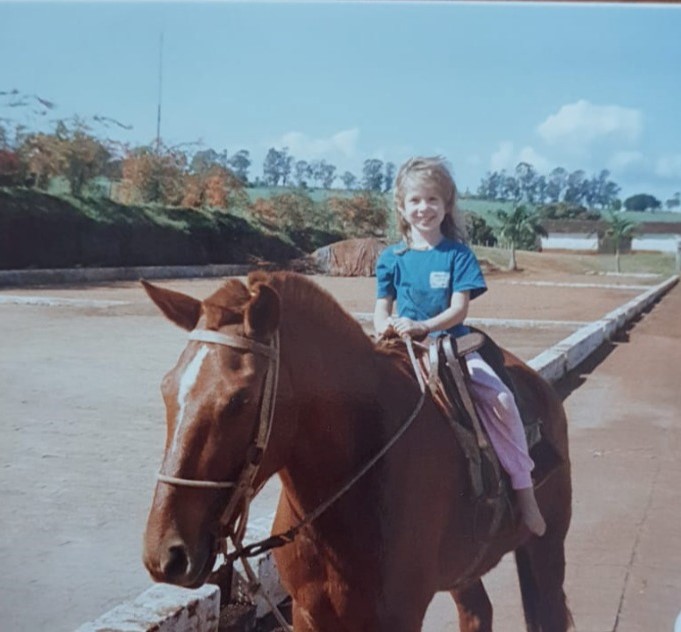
[(362, 215)]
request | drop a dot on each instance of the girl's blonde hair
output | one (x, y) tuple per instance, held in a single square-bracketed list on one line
[(433, 171)]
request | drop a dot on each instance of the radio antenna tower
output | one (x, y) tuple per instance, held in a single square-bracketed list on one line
[(160, 94)]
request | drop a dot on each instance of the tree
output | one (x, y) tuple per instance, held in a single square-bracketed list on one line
[(203, 160), (619, 228), (240, 163), (388, 176), (349, 180), (641, 202), (288, 211), (323, 173), (329, 175), (576, 187), (565, 210), (556, 184), (601, 191), (479, 231), (277, 166), (518, 229), (510, 189), (364, 214), (217, 188), (154, 174), (301, 172), (44, 156), (674, 201), (11, 168), (85, 157), (527, 181), (372, 173)]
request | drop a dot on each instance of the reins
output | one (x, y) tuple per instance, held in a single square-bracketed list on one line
[(280, 539), (244, 491)]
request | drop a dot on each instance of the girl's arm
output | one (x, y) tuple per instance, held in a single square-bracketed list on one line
[(382, 312), (456, 313)]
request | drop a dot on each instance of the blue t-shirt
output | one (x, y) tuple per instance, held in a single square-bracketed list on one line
[(422, 281)]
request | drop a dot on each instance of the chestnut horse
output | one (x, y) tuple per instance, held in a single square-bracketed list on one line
[(374, 559)]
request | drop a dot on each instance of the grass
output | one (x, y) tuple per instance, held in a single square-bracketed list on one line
[(662, 264)]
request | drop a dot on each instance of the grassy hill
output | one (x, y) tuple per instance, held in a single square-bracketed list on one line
[(41, 230)]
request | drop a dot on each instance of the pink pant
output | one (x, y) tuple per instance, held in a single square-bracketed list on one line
[(499, 414)]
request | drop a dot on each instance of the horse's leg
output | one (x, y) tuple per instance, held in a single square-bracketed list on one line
[(475, 608), (541, 570)]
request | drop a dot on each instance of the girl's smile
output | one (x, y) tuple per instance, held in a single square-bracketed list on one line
[(423, 210)]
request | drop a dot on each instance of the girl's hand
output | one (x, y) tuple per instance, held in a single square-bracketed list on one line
[(409, 327)]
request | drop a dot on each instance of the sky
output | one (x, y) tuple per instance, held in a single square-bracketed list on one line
[(486, 85)]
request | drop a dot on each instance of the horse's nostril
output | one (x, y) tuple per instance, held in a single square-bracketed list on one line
[(176, 562)]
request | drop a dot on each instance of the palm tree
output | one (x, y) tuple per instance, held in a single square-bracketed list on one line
[(619, 228), (519, 228)]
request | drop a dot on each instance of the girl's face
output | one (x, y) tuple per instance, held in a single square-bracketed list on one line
[(423, 208)]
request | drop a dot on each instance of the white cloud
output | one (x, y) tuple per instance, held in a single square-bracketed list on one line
[(304, 147), (669, 166), (625, 160), (579, 124), (506, 157)]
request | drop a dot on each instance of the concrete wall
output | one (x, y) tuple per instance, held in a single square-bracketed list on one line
[(657, 243), (570, 241)]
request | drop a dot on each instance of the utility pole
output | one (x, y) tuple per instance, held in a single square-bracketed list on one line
[(160, 94)]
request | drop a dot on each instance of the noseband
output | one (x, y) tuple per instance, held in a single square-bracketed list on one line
[(243, 487)]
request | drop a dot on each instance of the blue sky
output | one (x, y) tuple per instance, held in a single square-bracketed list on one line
[(486, 85)]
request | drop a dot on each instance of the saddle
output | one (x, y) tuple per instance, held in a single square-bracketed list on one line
[(444, 369)]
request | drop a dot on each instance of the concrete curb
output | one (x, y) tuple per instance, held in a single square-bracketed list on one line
[(22, 278), (163, 608), (180, 606), (557, 361)]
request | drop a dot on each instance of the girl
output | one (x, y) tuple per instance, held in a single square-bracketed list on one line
[(432, 276)]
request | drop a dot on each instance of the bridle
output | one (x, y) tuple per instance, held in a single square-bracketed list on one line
[(243, 486)]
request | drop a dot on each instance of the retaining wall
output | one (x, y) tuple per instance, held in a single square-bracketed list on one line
[(169, 609), (23, 278)]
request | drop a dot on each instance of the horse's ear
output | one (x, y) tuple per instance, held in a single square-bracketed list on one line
[(183, 310), (261, 317)]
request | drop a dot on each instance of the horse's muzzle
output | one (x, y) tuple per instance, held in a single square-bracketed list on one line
[(173, 562)]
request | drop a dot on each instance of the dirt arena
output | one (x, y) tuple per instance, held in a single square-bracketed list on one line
[(82, 427)]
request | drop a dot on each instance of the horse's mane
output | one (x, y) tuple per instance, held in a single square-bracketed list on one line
[(309, 303), (301, 300)]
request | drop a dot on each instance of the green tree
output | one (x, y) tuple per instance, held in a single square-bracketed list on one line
[(674, 201), (349, 180), (519, 229), (301, 172), (556, 184), (388, 176), (372, 173), (240, 163), (619, 229), (641, 202), (479, 231), (277, 166), (526, 177)]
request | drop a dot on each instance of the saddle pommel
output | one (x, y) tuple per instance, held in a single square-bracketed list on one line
[(464, 345)]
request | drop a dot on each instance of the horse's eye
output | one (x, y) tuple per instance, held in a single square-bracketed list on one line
[(236, 402)]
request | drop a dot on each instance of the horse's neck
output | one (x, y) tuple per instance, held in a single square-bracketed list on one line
[(331, 375)]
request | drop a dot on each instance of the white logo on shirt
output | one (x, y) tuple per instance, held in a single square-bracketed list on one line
[(439, 280)]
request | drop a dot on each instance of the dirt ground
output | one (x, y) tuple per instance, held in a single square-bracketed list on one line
[(81, 429)]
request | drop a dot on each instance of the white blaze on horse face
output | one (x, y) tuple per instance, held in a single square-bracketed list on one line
[(189, 378)]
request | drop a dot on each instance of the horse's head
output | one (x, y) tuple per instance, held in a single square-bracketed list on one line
[(214, 399)]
